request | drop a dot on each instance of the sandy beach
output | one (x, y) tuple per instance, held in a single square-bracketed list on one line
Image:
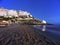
[(22, 35)]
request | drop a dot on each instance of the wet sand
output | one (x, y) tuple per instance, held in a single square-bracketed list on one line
[(22, 35)]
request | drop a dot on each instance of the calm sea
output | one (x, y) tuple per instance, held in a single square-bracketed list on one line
[(50, 31)]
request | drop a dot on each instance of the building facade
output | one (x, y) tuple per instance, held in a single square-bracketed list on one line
[(15, 13)]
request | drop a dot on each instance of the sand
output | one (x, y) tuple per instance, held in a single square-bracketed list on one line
[(22, 35)]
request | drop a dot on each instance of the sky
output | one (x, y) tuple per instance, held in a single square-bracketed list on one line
[(48, 10)]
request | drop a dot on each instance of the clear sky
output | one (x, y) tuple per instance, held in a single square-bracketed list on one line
[(48, 10)]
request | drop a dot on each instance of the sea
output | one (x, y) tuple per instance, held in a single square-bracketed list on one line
[(52, 32)]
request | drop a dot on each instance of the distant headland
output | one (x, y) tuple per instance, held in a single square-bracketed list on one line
[(21, 17)]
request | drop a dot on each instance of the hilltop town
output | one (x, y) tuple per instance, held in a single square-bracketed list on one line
[(17, 16)]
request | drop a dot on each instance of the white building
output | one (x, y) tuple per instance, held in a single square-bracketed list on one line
[(10, 13), (24, 14), (3, 12), (43, 21)]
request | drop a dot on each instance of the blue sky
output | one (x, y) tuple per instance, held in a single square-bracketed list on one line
[(48, 10)]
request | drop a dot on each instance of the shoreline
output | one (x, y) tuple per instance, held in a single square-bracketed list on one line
[(25, 29)]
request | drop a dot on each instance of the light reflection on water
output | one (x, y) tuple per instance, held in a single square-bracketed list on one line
[(42, 27)]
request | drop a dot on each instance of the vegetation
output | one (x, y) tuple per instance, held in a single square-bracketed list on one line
[(23, 21)]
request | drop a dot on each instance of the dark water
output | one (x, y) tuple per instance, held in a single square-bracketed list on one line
[(51, 31)]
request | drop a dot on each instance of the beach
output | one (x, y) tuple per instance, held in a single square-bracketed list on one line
[(23, 35)]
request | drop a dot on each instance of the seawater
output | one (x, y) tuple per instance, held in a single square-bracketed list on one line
[(50, 31)]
